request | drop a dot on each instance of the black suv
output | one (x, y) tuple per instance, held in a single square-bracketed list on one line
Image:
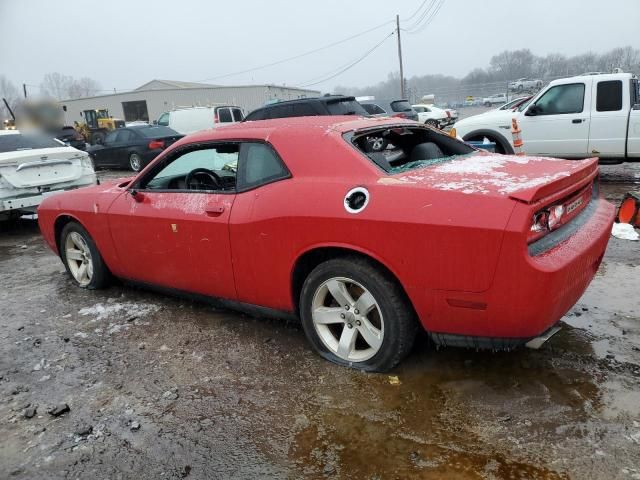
[(309, 107)]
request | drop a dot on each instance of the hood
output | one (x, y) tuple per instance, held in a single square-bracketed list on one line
[(525, 179), (497, 118)]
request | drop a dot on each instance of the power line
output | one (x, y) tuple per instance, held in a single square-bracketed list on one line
[(427, 21), (295, 57), (416, 12), (422, 15), (346, 67)]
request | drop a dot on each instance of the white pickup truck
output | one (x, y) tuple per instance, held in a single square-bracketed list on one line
[(578, 117)]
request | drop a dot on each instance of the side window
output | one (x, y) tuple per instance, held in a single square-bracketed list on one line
[(111, 137), (173, 173), (124, 136), (237, 115), (562, 99), (164, 119), (303, 110), (224, 115), (259, 164), (419, 109), (609, 96)]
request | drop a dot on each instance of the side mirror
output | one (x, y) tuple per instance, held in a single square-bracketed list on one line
[(155, 122), (532, 111)]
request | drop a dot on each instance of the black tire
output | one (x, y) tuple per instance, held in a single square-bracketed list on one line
[(400, 324), (101, 274), (520, 88), (135, 162), (432, 123)]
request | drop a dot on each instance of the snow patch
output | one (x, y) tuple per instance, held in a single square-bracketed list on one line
[(103, 311), (624, 231)]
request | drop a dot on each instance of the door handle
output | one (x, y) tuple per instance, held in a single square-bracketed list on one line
[(576, 120), (213, 210)]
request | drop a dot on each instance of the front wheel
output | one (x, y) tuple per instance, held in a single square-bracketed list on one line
[(432, 123), (135, 162), (81, 257), (354, 314)]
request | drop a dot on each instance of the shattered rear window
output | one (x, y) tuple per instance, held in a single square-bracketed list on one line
[(399, 149), (19, 141)]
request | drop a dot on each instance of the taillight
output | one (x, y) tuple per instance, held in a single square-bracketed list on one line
[(155, 144), (544, 221), (400, 115)]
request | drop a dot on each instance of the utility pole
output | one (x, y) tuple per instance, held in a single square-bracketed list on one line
[(24, 89), (400, 57)]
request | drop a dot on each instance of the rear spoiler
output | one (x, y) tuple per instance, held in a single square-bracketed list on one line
[(580, 176)]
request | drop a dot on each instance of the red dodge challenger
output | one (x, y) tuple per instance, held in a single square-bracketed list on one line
[(365, 229)]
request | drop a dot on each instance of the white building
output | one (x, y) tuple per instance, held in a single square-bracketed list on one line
[(150, 100)]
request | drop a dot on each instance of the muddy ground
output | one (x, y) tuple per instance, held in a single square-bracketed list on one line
[(160, 387)]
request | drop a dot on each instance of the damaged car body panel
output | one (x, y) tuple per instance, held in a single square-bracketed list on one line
[(457, 230)]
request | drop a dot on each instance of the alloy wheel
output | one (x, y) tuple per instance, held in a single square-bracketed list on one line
[(135, 162), (78, 257), (348, 319)]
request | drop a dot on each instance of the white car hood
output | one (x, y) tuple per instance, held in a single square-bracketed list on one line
[(488, 119)]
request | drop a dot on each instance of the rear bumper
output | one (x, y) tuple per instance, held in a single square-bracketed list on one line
[(529, 294), (29, 203)]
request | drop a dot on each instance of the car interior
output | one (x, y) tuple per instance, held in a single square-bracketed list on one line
[(397, 149)]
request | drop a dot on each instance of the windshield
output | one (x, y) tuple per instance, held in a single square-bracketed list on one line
[(19, 141), (401, 149), (346, 107)]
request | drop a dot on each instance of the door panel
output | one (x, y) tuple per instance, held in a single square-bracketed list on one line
[(177, 240), (553, 132), (608, 133)]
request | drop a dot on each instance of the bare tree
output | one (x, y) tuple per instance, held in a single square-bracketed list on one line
[(511, 64), (9, 91), (56, 85), (84, 87)]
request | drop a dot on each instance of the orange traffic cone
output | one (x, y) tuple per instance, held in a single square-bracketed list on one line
[(628, 211), (517, 139)]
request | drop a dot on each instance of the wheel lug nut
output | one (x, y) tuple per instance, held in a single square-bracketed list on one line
[(346, 307), (349, 325), (342, 315), (357, 312), (358, 322)]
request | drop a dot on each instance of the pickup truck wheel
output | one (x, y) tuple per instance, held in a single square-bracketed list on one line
[(520, 88), (432, 123), (81, 257), (135, 162), (354, 314)]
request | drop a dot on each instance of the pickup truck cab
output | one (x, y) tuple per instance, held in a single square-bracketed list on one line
[(577, 117)]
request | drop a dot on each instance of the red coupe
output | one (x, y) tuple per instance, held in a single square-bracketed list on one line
[(366, 229)]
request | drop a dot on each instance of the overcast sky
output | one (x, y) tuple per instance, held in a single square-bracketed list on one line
[(123, 44)]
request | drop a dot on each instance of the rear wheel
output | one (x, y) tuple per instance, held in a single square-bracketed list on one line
[(135, 162), (81, 257), (432, 123), (354, 314)]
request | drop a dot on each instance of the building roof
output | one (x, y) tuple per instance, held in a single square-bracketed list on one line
[(156, 84)]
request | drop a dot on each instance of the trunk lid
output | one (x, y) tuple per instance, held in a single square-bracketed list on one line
[(526, 179), (41, 167)]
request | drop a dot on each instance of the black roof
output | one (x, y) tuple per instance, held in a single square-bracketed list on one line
[(323, 99)]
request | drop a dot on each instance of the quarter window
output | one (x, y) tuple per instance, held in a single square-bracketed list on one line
[(259, 164), (562, 99), (609, 96)]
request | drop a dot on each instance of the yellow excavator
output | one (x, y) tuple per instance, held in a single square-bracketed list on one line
[(97, 123)]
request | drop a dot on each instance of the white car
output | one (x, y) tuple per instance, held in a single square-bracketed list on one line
[(194, 119), (525, 84), (434, 116), (497, 99), (34, 166), (576, 117)]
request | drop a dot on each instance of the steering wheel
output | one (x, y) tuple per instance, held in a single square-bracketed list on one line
[(202, 179)]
